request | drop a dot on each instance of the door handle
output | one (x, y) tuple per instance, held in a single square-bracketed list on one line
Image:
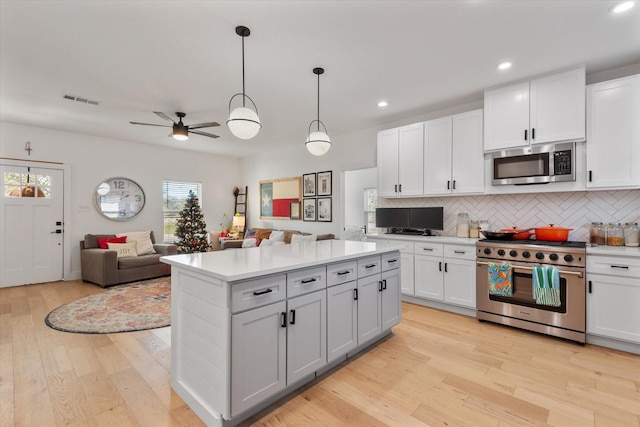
[(384, 284), (572, 273), (283, 317), (292, 317), (355, 294), (525, 134)]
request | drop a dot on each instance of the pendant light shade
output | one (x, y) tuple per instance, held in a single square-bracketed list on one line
[(318, 142), (243, 122)]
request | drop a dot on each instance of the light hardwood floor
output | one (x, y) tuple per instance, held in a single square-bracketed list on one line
[(438, 369)]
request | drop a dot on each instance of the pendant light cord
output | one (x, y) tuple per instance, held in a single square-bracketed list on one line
[(318, 102), (243, 90)]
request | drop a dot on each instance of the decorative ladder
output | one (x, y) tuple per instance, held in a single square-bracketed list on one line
[(241, 205)]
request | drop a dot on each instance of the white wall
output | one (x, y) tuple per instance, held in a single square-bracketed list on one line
[(92, 159), (355, 183)]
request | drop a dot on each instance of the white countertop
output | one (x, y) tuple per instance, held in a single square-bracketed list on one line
[(431, 239), (626, 251), (239, 264)]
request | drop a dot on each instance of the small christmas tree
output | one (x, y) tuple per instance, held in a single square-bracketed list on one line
[(191, 229)]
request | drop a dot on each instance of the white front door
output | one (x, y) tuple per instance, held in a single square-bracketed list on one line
[(31, 220)]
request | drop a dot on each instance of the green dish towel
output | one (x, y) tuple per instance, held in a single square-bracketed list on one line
[(546, 286)]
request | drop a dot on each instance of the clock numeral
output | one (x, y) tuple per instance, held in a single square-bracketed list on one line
[(118, 184), (138, 198)]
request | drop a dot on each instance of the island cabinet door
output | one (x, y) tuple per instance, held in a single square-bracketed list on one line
[(390, 298), (306, 335), (342, 320), (258, 355), (369, 311)]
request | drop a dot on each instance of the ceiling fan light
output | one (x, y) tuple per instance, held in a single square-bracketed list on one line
[(318, 143), (181, 133), (244, 123)]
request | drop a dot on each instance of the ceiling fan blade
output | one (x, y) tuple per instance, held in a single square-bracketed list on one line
[(198, 132), (204, 125), (163, 116), (149, 124)]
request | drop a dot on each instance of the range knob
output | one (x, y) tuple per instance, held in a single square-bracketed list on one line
[(526, 254), (568, 258), (513, 253), (487, 251), (553, 257), (540, 255), (501, 252)]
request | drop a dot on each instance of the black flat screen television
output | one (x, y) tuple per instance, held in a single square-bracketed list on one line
[(410, 220)]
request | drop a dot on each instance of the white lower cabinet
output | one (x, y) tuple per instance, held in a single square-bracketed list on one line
[(613, 297), (447, 274), (406, 256), (342, 320), (369, 313)]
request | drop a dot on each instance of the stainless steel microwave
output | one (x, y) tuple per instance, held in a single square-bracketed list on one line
[(537, 164)]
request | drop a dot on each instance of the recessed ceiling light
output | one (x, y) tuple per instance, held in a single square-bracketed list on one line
[(382, 104), (622, 7), (504, 66)]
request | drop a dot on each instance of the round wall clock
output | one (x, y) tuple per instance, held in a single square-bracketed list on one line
[(119, 199)]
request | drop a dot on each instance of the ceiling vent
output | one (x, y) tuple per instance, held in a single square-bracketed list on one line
[(83, 100)]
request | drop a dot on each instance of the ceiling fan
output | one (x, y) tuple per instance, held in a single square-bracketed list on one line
[(181, 131)]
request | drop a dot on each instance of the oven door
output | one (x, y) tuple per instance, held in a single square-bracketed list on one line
[(522, 305)]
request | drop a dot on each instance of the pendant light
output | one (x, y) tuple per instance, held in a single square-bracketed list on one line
[(243, 122), (318, 142)]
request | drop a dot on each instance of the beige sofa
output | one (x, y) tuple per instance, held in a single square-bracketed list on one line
[(103, 267), (264, 233)]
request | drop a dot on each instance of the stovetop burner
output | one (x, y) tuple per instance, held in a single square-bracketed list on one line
[(568, 244)]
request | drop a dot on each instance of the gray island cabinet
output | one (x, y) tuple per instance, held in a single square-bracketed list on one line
[(250, 325)]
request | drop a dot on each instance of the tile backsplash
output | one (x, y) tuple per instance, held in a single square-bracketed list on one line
[(575, 210)]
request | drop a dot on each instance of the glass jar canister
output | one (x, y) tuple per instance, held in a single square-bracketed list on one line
[(462, 229), (597, 234), (615, 236), (631, 234), (474, 230)]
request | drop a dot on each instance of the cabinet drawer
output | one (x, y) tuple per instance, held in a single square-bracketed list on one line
[(342, 273), (431, 249), (368, 266), (390, 261), (258, 292), (460, 252), (614, 266), (304, 281)]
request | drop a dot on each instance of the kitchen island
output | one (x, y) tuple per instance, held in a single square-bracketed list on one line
[(250, 325)]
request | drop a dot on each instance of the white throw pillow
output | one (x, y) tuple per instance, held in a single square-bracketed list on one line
[(124, 249), (269, 242), (142, 239), (301, 238), (277, 236), (250, 242)]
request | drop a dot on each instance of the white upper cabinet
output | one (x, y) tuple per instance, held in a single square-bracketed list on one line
[(613, 133), (453, 155), (400, 162), (543, 110)]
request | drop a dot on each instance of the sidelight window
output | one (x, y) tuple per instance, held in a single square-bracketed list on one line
[(174, 196)]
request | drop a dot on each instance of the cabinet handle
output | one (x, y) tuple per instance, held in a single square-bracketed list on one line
[(445, 267), (440, 266), (384, 284), (395, 188), (355, 294), (460, 252), (625, 267), (590, 286), (448, 185), (533, 133), (525, 134), (590, 176), (400, 188), (292, 318), (342, 273), (266, 291), (380, 286), (454, 184), (283, 319), (391, 261), (428, 249), (370, 266), (305, 281)]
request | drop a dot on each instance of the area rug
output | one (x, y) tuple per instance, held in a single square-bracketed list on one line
[(125, 308)]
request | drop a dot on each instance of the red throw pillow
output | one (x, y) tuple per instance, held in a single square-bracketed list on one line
[(102, 241)]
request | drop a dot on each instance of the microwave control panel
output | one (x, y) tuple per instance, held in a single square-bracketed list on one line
[(562, 162)]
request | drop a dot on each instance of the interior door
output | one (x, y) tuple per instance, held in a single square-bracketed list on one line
[(31, 220)]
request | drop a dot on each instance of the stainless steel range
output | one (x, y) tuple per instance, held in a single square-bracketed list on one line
[(568, 320)]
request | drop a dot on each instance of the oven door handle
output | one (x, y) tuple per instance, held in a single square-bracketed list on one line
[(572, 273)]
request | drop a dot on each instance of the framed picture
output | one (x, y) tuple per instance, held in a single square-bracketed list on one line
[(309, 209), (295, 210), (276, 196), (324, 183), (309, 185), (324, 209)]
